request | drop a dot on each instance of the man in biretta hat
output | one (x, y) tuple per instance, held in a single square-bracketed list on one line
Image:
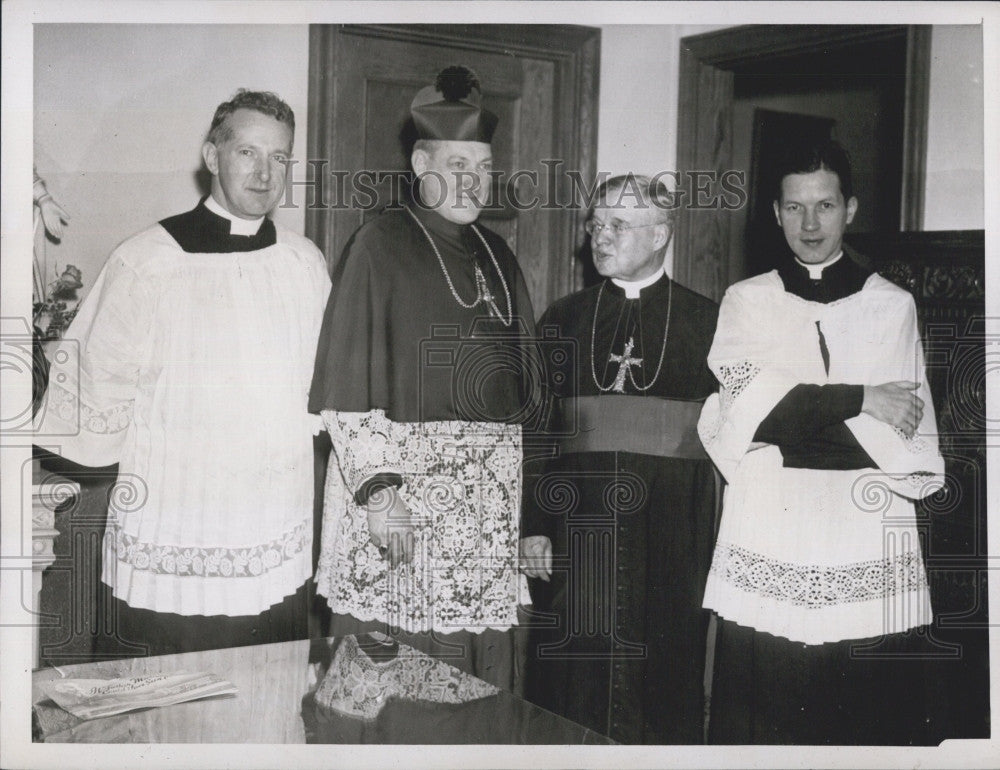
[(421, 381)]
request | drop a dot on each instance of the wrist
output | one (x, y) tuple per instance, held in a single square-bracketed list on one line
[(866, 399)]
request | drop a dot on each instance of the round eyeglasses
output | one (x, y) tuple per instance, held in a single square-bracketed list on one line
[(595, 228)]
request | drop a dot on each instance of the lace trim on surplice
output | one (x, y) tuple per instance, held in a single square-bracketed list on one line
[(71, 410), (186, 561), (806, 585)]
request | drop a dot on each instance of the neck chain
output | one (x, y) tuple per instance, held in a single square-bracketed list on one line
[(663, 350), (482, 288)]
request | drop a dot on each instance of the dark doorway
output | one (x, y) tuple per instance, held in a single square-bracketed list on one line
[(853, 94), (765, 245), (798, 69)]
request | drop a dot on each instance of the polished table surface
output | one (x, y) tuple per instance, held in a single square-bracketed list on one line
[(274, 704)]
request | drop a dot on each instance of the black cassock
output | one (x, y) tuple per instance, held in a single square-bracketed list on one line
[(629, 504)]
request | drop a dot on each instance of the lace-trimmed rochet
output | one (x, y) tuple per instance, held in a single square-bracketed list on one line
[(357, 686), (462, 484), (363, 443)]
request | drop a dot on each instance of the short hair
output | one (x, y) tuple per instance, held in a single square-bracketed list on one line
[(265, 102), (650, 192), (807, 157), (430, 146)]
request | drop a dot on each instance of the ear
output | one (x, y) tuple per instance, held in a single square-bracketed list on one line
[(777, 212), (662, 236), (852, 208), (419, 160), (211, 155)]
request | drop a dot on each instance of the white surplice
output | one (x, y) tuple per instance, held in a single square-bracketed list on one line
[(192, 370), (817, 555)]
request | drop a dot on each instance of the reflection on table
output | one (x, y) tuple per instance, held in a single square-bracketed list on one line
[(349, 689)]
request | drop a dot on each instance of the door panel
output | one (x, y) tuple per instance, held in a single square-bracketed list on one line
[(362, 80)]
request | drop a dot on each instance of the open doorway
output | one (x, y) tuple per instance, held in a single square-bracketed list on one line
[(840, 72), (854, 94), (763, 245)]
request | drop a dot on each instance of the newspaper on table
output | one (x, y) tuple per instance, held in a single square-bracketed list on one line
[(94, 698)]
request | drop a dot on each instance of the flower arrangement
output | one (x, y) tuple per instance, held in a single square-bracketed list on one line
[(54, 313)]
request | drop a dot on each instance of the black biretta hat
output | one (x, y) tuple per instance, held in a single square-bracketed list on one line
[(451, 109)]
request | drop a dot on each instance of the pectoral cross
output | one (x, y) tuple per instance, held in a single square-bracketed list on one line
[(626, 361), (486, 296)]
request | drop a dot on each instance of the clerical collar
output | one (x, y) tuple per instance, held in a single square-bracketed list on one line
[(634, 288), (201, 231), (816, 271), (237, 225), (838, 278)]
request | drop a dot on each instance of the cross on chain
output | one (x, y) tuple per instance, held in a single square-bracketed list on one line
[(484, 291), (627, 362)]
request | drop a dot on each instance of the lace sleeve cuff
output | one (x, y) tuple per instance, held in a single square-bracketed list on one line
[(730, 419), (366, 450), (85, 433)]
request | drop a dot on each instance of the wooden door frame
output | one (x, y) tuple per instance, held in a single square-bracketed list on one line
[(573, 50), (708, 65)]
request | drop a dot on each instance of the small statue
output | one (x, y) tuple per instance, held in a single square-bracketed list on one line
[(53, 215), (49, 306), (53, 218)]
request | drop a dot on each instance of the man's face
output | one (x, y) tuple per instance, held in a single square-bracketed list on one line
[(813, 214), (248, 172), (455, 178), (634, 253)]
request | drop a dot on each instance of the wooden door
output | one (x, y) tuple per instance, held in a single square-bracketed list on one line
[(542, 84)]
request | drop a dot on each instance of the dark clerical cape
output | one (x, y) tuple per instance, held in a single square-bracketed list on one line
[(394, 338), (421, 391), (628, 502)]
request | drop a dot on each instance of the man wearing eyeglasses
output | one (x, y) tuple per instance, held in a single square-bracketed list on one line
[(618, 525)]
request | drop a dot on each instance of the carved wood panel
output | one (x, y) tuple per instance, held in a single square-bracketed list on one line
[(945, 273)]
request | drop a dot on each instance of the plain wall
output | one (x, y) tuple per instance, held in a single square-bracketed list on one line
[(954, 196), (121, 112), (637, 114)]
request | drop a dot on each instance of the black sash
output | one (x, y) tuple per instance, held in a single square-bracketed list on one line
[(641, 424)]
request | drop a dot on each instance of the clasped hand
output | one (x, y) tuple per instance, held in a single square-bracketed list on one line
[(536, 557), (391, 527), (895, 404)]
